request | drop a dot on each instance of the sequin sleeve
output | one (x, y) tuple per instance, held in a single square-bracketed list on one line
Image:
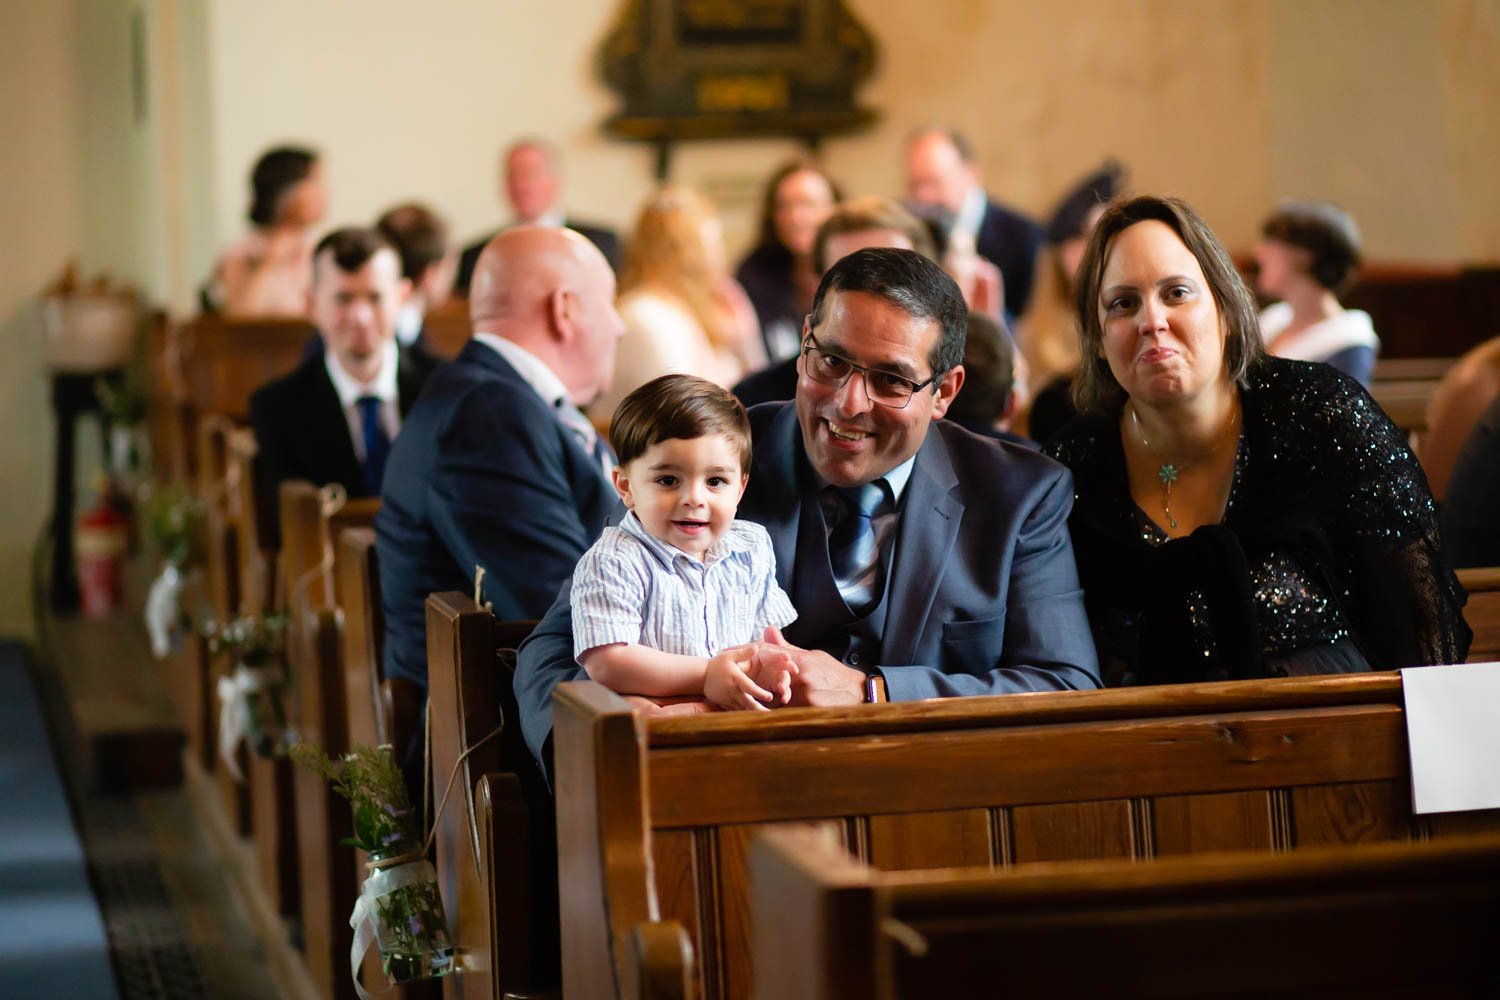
[(1405, 602)]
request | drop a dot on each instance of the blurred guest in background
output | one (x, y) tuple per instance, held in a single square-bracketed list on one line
[(428, 263), (1471, 529), (941, 171), (269, 271), (779, 274), (1237, 515), (870, 221), (1307, 258), (531, 177), (1048, 334), (684, 313), (988, 398)]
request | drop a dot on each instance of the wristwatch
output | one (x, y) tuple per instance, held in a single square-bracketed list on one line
[(874, 689)]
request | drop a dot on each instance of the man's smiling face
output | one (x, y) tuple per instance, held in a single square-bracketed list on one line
[(850, 439)]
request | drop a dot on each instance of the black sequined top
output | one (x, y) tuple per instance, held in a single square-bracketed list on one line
[(1327, 559)]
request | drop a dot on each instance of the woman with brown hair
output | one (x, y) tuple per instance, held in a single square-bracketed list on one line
[(269, 271), (683, 311), (1236, 515)]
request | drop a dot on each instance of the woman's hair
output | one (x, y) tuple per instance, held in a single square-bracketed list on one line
[(1324, 230), (1096, 391), (277, 172), (768, 235), (667, 252), (678, 406)]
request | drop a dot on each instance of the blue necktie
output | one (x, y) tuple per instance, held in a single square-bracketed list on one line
[(852, 549), (377, 444)]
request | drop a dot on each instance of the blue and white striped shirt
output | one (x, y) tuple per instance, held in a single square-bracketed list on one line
[(631, 587)]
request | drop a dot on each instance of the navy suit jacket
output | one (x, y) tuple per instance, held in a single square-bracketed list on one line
[(483, 473), (605, 239), (983, 591), (1011, 242), (301, 432)]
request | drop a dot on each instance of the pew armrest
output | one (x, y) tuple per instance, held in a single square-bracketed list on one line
[(661, 962), (401, 704)]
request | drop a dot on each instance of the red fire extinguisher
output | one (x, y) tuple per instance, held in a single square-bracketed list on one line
[(103, 536)]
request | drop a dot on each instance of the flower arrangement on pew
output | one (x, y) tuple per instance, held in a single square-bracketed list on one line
[(399, 905), (252, 704), (174, 518)]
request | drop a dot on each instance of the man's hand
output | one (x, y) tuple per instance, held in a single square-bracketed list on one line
[(666, 707), (727, 685), (820, 680)]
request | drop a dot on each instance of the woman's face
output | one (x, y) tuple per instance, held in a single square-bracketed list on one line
[(306, 202), (803, 201), (1163, 335), (1277, 264)]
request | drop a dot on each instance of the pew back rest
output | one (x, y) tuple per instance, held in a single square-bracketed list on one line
[(1482, 612), (495, 865), (655, 817), (446, 329), (827, 926), (357, 591)]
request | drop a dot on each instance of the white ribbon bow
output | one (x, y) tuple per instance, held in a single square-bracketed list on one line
[(381, 882), (235, 691), (162, 603)]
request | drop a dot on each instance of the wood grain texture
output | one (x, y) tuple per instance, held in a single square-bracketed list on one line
[(961, 837), (1193, 824), (1069, 830), (1352, 813)]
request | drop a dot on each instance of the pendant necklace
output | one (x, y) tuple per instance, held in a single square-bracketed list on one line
[(1168, 472)]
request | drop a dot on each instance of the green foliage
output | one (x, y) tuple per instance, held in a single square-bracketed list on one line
[(254, 640), (175, 519), (384, 822)]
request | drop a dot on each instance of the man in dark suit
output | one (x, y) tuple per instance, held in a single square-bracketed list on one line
[(923, 560), (532, 179), (941, 172), (496, 466), (332, 419)]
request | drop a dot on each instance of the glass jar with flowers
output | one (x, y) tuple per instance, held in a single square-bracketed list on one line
[(174, 518), (252, 691), (399, 904)]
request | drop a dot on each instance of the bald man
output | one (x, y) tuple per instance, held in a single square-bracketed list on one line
[(496, 465)]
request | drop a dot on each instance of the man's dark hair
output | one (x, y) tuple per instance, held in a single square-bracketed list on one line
[(276, 172), (1096, 390), (913, 283), (989, 373), (419, 235), (678, 406), (351, 248), (1323, 230)]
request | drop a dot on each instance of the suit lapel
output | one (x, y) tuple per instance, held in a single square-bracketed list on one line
[(774, 499), (327, 438), (930, 517)]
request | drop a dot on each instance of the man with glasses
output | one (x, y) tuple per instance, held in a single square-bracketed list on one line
[(924, 561)]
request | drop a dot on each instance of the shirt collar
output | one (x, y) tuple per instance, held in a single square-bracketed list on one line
[(971, 214), (527, 365), (732, 542), (350, 389), (896, 479)]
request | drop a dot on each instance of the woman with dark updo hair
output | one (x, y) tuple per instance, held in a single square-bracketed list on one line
[(269, 271), (1307, 258)]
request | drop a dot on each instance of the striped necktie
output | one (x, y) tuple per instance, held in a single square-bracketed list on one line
[(588, 439), (377, 443), (852, 548)]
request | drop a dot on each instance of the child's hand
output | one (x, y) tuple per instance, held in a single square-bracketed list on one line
[(727, 685), (773, 669)]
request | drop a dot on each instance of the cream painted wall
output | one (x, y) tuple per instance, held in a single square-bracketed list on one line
[(40, 217), (1230, 104)]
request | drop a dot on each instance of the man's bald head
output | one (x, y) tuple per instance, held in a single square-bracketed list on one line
[(550, 291)]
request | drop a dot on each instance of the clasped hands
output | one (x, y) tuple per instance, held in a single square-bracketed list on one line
[(761, 675)]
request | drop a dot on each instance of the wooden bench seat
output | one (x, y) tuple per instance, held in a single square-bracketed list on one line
[(655, 817), (1482, 612), (1388, 920)]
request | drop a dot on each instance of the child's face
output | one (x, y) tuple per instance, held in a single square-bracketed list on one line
[(685, 490)]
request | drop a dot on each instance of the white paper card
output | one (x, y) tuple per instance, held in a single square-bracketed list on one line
[(1453, 726)]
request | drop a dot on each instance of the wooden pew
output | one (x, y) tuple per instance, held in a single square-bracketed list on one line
[(496, 866), (310, 518), (446, 329), (1405, 402), (1482, 612), (1410, 920), (1428, 310), (654, 817)]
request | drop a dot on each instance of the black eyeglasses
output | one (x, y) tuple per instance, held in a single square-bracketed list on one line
[(885, 388)]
